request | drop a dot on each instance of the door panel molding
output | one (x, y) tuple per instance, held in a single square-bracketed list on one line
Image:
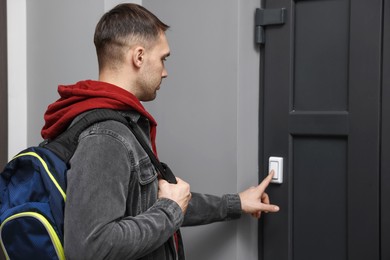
[(319, 123)]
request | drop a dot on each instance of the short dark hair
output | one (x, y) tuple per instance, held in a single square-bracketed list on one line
[(120, 28)]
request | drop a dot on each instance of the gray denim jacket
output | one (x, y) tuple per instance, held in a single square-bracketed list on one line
[(112, 210)]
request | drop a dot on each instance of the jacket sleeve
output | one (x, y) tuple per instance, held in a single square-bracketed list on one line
[(204, 209), (98, 187)]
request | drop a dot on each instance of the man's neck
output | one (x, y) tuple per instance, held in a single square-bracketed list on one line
[(117, 80)]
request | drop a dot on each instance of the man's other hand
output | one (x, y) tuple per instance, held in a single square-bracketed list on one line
[(179, 192)]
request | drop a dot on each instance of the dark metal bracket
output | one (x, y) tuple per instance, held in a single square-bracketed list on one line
[(266, 17)]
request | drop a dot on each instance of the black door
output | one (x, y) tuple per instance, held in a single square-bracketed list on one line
[(322, 85)]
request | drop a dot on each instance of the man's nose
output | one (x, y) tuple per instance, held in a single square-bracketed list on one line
[(164, 73)]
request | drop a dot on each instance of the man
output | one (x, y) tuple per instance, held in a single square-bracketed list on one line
[(117, 207)]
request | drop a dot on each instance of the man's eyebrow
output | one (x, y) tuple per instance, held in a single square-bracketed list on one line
[(167, 55)]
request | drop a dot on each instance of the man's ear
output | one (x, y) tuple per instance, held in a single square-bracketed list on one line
[(138, 56)]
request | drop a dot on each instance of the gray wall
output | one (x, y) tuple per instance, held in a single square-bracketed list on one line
[(207, 109), (60, 50)]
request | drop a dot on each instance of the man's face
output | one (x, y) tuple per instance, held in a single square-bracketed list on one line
[(153, 70)]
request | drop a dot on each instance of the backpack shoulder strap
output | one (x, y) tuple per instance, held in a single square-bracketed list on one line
[(164, 170), (65, 144)]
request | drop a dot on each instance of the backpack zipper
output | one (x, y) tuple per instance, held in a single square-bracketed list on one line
[(52, 233)]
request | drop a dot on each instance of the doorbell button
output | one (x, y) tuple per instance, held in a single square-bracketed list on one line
[(276, 164)]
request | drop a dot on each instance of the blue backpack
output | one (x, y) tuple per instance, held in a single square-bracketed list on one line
[(32, 194)]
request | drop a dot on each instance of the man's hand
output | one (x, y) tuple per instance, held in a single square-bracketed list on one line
[(180, 192), (254, 200)]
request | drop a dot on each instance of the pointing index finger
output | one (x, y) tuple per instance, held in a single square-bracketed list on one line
[(264, 184)]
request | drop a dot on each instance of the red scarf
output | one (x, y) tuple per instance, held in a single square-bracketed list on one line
[(87, 95)]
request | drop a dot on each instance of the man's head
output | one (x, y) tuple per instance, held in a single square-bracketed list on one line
[(122, 27), (131, 44)]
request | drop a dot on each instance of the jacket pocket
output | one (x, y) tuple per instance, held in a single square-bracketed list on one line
[(146, 172)]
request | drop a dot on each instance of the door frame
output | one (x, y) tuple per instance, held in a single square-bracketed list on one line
[(385, 135)]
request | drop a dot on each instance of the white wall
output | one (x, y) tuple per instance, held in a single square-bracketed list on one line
[(17, 76)]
